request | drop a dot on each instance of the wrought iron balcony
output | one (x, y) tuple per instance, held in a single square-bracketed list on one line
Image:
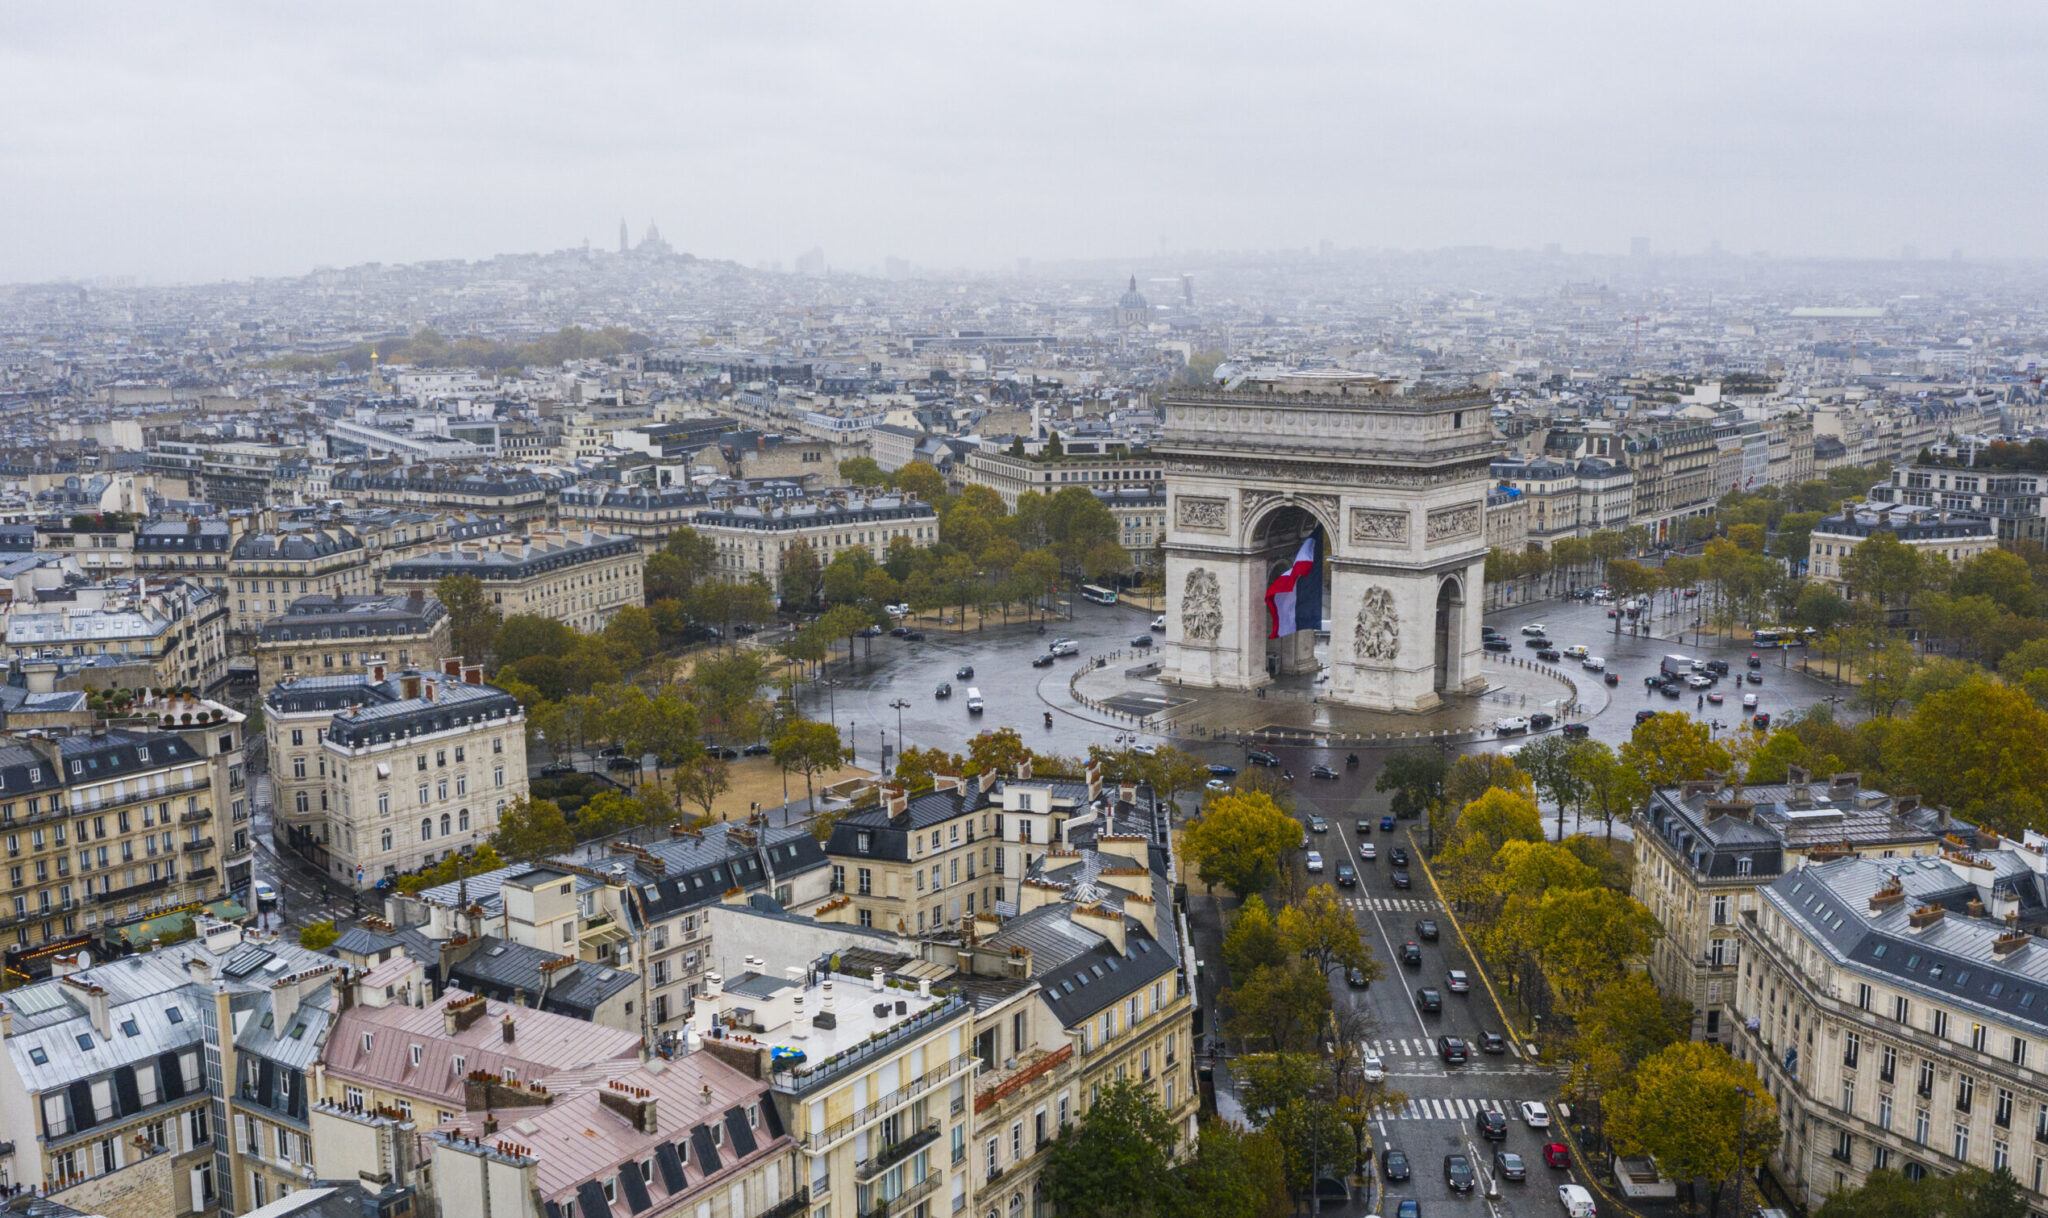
[(891, 1155)]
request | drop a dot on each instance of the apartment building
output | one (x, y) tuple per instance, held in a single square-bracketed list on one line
[(161, 637), (1893, 1010), (578, 578), (1934, 532), (1140, 513), (1674, 466), (271, 568), (166, 1083), (2015, 501), (505, 493), (325, 634), (102, 553), (1551, 491), (1704, 849), (650, 514), (1010, 474), (693, 1138), (751, 539), (193, 548)]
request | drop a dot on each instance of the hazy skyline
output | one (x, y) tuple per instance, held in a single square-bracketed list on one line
[(195, 142)]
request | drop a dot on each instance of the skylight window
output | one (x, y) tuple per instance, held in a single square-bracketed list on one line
[(128, 1028), (174, 1015), (36, 1055), (85, 1040)]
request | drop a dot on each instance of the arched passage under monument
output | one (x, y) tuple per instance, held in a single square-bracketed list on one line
[(1450, 628)]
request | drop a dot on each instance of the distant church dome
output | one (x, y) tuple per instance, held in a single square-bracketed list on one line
[(1132, 309)]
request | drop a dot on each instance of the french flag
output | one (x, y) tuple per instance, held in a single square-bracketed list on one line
[(1294, 601)]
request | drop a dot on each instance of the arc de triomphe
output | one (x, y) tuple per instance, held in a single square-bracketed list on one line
[(1397, 484)]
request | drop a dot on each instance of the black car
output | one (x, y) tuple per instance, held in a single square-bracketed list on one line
[(1671, 690), (1428, 999), (1260, 757), (1718, 667), (1761, 723), (1575, 731), (1493, 1126), (556, 769), (1458, 1173), (1488, 632), (1508, 1166), (1550, 654), (1539, 720), (1754, 662), (1398, 856), (622, 763), (1321, 771), (945, 690), (1043, 661), (1393, 1164), (1219, 770), (1363, 825), (1492, 1042), (1411, 954), (964, 673), (1347, 876), (757, 749), (612, 750), (915, 636), (1426, 928), (1754, 678), (1355, 978), (1643, 717), (1539, 642), (1497, 645), (1401, 880), (1452, 1050), (900, 632), (722, 752), (1141, 640)]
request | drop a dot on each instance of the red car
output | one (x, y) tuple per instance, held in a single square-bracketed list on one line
[(1557, 1154)]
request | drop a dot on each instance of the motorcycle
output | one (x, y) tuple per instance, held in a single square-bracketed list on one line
[(1048, 718), (1351, 760)]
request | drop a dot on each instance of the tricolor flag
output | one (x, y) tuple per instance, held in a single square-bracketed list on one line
[(1294, 601)]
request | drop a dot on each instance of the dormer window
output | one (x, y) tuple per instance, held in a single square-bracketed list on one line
[(417, 1054), (864, 842), (366, 1041)]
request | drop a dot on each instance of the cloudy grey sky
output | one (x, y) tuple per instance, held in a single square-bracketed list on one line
[(194, 141)]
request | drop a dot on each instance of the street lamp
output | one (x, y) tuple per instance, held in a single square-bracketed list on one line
[(898, 706)]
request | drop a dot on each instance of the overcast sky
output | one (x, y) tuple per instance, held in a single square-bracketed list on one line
[(192, 142)]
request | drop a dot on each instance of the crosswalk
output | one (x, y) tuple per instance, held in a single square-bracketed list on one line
[(1394, 904), (1446, 1110)]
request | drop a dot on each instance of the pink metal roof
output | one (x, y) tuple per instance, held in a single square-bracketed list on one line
[(543, 1043)]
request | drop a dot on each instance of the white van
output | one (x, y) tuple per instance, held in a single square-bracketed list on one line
[(973, 701), (1577, 1202), (1064, 647)]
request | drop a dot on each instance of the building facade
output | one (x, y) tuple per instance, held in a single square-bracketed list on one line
[(326, 634), (578, 578), (1934, 532), (751, 539)]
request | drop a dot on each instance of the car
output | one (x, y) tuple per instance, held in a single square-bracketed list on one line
[(1145, 750), (1691, 592), (1493, 1043), (915, 636), (1699, 681), (1488, 632), (1715, 698), (266, 896), (1347, 876), (1644, 716), (1426, 930), (900, 632), (724, 752), (1317, 824), (1315, 861), (1509, 725), (1159, 623), (866, 632), (1594, 663), (1540, 720), (1557, 1154), (1368, 852), (1261, 757), (1576, 731), (1428, 999), (945, 690), (1386, 824), (1411, 954), (1408, 1207), (1452, 1050), (1496, 645), (1577, 1202), (1755, 661), (899, 609), (556, 769), (1141, 640), (1549, 654), (622, 763), (1355, 978), (1458, 1173), (1508, 1166), (1718, 667), (1363, 826), (1321, 771), (1064, 647), (1215, 784), (1535, 1115), (1670, 689), (1393, 1164), (1400, 879), (1458, 981), (756, 749), (1761, 723), (1575, 651), (1612, 679), (964, 673), (1536, 644), (1370, 1066), (1493, 1125), (1536, 630), (1398, 856), (1754, 678), (1219, 770), (1749, 702), (612, 750)]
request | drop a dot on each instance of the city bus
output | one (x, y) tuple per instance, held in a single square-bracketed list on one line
[(1100, 595), (1785, 636)]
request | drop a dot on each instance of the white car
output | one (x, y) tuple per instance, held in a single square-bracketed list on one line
[(1366, 850), (1577, 1202), (1594, 663), (266, 896), (899, 610), (1535, 631), (1064, 647), (1574, 652), (1159, 623), (1696, 681), (1535, 1115), (1749, 702), (1374, 1069), (1216, 784), (1315, 861), (1510, 725), (1145, 750)]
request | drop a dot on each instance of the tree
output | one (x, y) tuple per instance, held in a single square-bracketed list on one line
[(1474, 774), (2002, 576), (1585, 938), (1665, 750), (915, 767), (1000, 752), (1550, 764), (921, 481), (808, 747), (1416, 777), (1980, 751), (1238, 840), (1282, 1004), (472, 619), (726, 691), (1320, 930), (1610, 786), (1172, 770), (528, 634), (318, 936), (862, 471), (1236, 1173), (803, 576), (1312, 1140), (1115, 1164), (1698, 1110), (1253, 941), (1884, 569), (1483, 826), (1268, 1082), (703, 780), (609, 814), (530, 830), (1771, 763), (631, 634)]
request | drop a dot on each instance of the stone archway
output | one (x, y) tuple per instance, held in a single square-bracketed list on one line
[(1450, 615)]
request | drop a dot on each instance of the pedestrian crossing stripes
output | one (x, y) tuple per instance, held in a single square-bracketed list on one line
[(1445, 1110), (1398, 1047), (1394, 904)]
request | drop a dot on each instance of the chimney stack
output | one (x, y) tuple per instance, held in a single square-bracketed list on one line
[(508, 1029)]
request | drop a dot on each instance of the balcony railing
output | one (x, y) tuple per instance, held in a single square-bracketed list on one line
[(194, 817), (914, 1026), (991, 1096), (204, 843), (798, 1202), (896, 1099), (132, 891), (897, 1153), (906, 1201)]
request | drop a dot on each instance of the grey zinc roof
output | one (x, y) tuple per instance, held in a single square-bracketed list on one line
[(490, 970)]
